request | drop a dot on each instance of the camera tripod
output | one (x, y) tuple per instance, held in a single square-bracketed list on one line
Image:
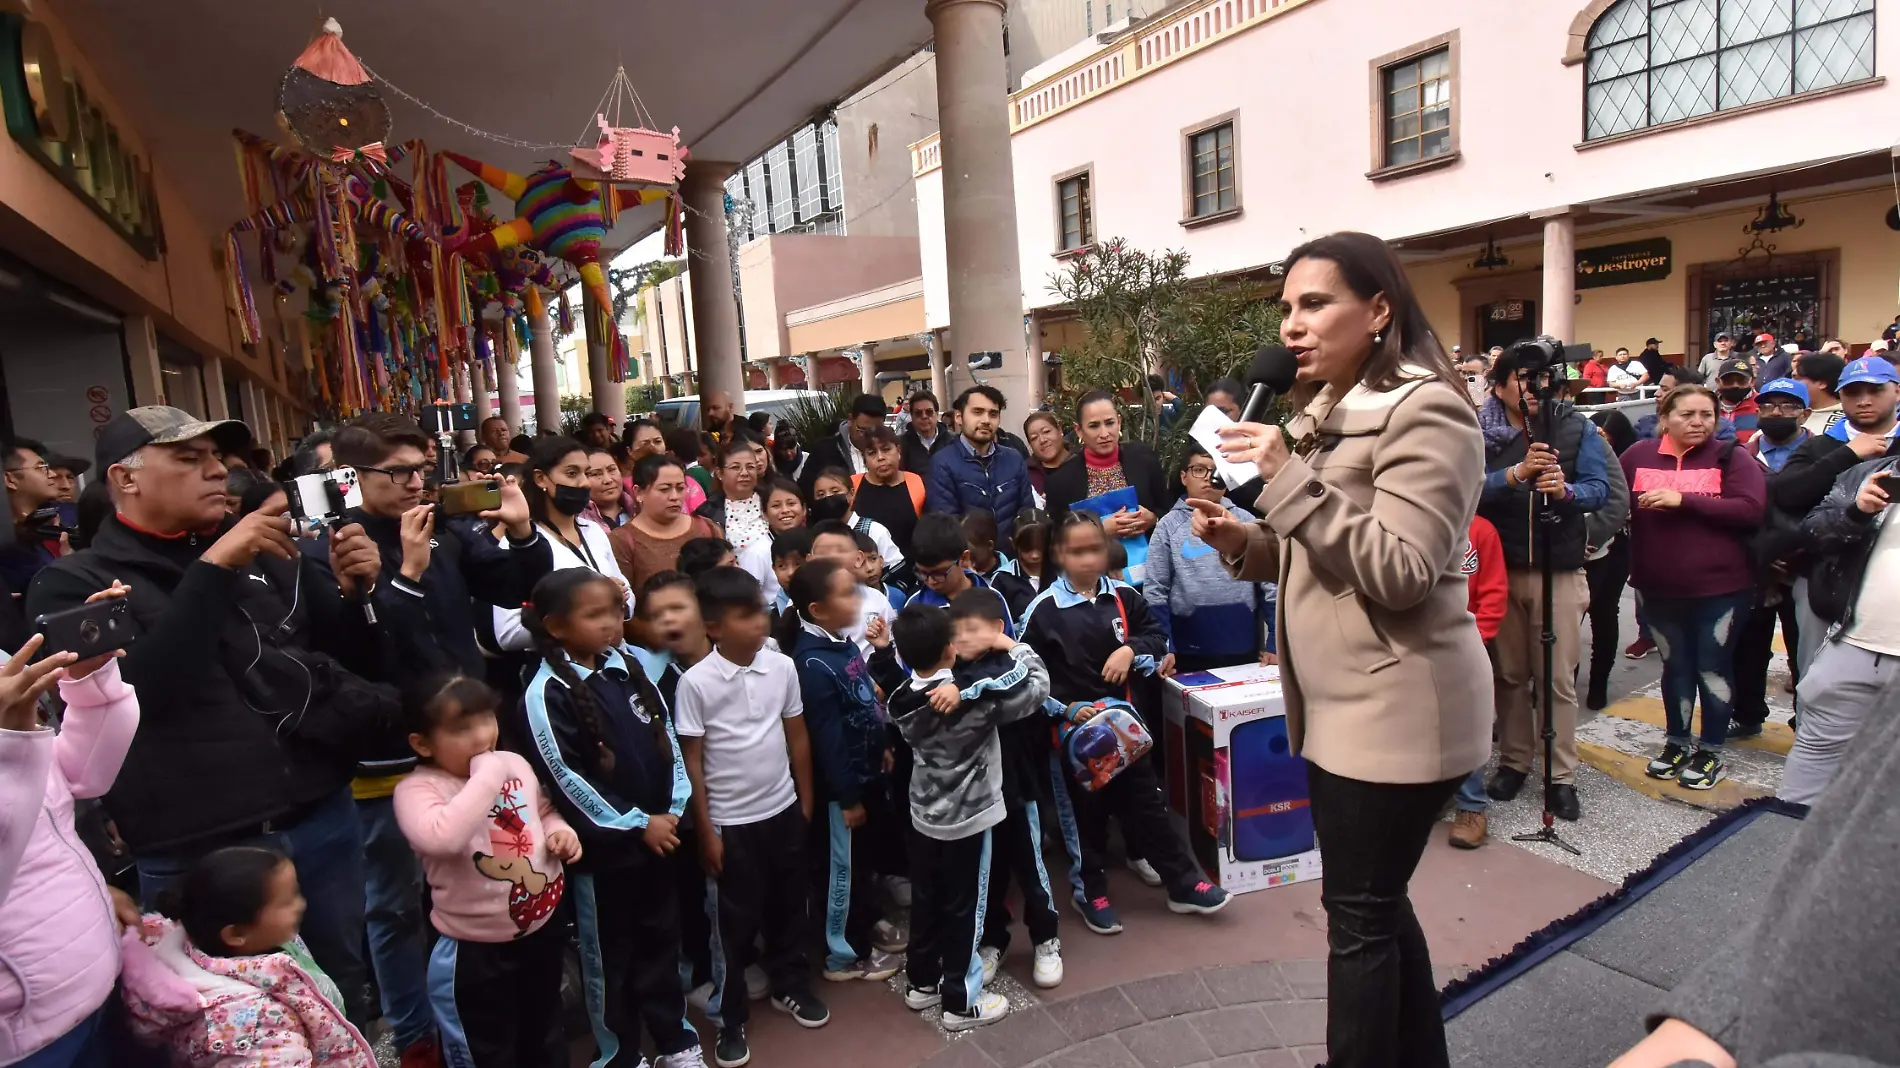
[(1547, 384)]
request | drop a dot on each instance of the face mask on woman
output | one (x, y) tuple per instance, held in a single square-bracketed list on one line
[(570, 500)]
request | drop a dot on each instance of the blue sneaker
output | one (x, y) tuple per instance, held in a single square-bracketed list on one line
[(1098, 915), (1203, 898)]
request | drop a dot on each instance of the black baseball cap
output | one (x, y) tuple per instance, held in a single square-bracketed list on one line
[(155, 424), (1653, 341), (1735, 367)]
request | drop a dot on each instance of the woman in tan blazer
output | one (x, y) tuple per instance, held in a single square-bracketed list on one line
[(1388, 690)]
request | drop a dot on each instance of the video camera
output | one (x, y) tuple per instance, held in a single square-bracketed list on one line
[(1544, 353)]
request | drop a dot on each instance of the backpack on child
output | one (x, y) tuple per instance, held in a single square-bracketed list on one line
[(1098, 740)]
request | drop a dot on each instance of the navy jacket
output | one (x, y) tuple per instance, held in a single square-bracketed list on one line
[(961, 480), (849, 731), (1076, 633), (608, 807)]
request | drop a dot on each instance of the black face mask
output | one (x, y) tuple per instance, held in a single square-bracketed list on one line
[(1778, 427), (570, 500), (836, 506), (1733, 394)]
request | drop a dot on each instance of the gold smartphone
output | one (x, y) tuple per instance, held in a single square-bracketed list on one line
[(466, 498)]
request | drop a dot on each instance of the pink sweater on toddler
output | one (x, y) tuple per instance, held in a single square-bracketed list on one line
[(483, 841)]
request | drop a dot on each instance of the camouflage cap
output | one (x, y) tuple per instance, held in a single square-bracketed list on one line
[(135, 428)]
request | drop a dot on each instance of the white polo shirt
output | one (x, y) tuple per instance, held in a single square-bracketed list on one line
[(738, 712)]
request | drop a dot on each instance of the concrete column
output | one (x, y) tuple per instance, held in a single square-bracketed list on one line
[(141, 350), (610, 397), (939, 379), (867, 367), (979, 194), (715, 325), (479, 372), (547, 382), (216, 406), (1560, 277), (772, 380), (508, 370), (1032, 357)]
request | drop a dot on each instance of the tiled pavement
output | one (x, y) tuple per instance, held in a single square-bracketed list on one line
[(1244, 1016)]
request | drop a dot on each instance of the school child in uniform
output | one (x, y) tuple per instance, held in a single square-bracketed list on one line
[(742, 726), (493, 848), (956, 803), (599, 738), (850, 756), (1094, 634)]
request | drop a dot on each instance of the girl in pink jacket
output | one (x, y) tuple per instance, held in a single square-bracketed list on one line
[(59, 939), (222, 979)]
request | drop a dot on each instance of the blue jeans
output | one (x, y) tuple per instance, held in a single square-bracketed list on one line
[(1471, 795), (397, 940), (327, 849), (82, 1047), (1697, 637)]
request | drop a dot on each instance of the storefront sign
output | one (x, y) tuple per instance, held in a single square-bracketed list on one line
[(1615, 265), (1507, 311), (50, 114)]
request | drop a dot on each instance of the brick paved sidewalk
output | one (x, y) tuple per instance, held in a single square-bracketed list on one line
[(1244, 1016)]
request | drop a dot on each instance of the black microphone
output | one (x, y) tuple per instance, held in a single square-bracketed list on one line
[(1272, 373)]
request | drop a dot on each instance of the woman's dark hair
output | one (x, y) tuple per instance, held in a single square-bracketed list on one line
[(94, 508), (700, 555), (1668, 401), (520, 443), (546, 455), (225, 888), (647, 471), (1093, 396), (784, 437), (468, 454), (427, 702), (634, 426), (1228, 386), (758, 421), (1369, 268), (810, 584), (1048, 417), (554, 597), (739, 442), (656, 582), (683, 443)]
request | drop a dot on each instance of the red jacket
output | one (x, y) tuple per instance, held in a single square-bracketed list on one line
[(1484, 573)]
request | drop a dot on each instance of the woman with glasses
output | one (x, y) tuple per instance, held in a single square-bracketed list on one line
[(559, 495), (737, 506), (1212, 619), (479, 459)]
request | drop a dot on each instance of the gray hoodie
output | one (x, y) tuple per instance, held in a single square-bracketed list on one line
[(956, 787)]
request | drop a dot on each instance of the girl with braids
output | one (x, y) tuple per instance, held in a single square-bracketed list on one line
[(559, 492), (602, 744)]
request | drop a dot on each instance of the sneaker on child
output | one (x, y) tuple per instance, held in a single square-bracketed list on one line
[(919, 998), (803, 1007), (889, 938), (1048, 971), (988, 1008), (1098, 915), (875, 968), (1703, 771), (1202, 899), (992, 959), (730, 1049), (1144, 871), (686, 1058)]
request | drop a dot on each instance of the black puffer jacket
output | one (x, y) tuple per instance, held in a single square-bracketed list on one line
[(1842, 537), (241, 681)]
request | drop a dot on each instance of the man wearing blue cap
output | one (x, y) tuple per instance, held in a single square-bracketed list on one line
[(1783, 406)]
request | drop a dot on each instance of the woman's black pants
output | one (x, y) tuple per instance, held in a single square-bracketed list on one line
[(1382, 1003)]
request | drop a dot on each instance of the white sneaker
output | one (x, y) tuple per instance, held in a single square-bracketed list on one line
[(690, 1058), (700, 997), (887, 937), (1144, 871), (1049, 964), (987, 1009), (898, 888), (757, 986), (992, 959), (919, 998)]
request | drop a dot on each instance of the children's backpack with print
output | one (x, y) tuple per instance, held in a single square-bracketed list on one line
[(1098, 739)]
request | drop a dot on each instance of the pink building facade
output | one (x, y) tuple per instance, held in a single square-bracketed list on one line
[(1586, 170)]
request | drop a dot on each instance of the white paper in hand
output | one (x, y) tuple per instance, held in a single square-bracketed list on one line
[(1206, 431)]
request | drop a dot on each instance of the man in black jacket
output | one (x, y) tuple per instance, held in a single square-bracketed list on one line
[(845, 450), (926, 433), (451, 566), (247, 670)]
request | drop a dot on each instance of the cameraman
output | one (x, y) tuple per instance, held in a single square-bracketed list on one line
[(31, 486), (448, 564), (247, 667), (1568, 465)]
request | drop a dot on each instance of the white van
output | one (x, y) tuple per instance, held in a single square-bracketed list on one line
[(684, 411)]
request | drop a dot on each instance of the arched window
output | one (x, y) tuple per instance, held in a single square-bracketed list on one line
[(1651, 62)]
